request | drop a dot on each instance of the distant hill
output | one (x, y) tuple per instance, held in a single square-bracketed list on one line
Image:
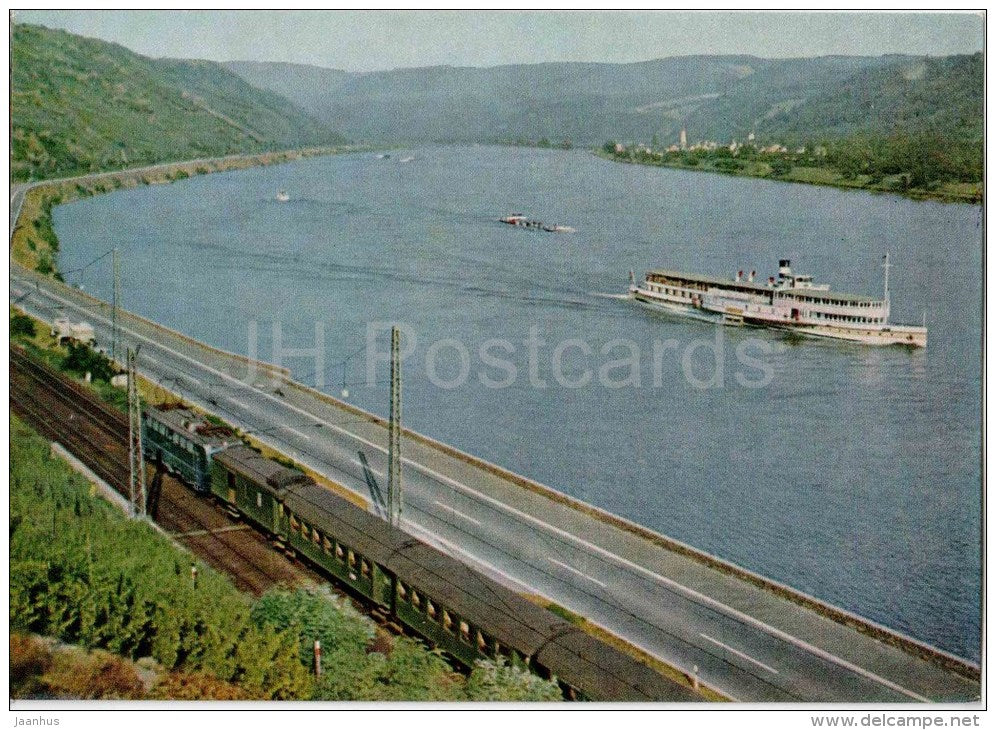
[(584, 102), (911, 94), (715, 97), (82, 105)]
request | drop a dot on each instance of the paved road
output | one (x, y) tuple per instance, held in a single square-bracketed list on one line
[(745, 642), (17, 193)]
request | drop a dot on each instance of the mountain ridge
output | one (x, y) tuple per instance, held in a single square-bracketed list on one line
[(717, 97), (81, 105)]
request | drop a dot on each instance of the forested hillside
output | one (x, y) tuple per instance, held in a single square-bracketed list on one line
[(81, 105), (714, 97), (913, 125)]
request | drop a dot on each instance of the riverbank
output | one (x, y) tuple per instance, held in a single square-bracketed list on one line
[(825, 176), (34, 242)]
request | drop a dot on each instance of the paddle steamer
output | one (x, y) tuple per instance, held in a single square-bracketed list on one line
[(790, 302)]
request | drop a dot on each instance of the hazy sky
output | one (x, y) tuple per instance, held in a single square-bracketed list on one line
[(373, 40)]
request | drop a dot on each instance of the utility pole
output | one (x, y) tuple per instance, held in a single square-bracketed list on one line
[(886, 265), (115, 301), (394, 433), (136, 459), (888, 304)]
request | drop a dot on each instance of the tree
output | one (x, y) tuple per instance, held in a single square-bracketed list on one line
[(81, 360), (22, 326)]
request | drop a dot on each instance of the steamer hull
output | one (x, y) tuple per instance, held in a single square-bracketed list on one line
[(791, 303)]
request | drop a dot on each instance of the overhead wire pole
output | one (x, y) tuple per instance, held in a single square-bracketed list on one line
[(394, 433), (115, 301), (136, 459)]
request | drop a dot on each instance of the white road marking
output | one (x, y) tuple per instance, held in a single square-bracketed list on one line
[(520, 587), (458, 513), (453, 549), (294, 430), (565, 566), (739, 653), (373, 471), (695, 595)]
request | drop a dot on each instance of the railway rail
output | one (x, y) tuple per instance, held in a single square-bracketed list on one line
[(97, 434)]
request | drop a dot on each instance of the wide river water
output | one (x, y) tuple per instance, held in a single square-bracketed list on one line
[(849, 472)]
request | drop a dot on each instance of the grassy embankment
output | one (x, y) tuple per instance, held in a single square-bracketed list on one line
[(35, 337), (951, 192), (121, 593)]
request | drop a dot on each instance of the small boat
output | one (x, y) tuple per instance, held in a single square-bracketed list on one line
[(520, 220), (407, 159), (282, 196)]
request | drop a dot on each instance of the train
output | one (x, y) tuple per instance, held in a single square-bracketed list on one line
[(185, 442), (454, 608)]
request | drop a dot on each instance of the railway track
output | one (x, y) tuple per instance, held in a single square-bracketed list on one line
[(97, 434)]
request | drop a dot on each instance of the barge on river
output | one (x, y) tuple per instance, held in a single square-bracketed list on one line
[(791, 302)]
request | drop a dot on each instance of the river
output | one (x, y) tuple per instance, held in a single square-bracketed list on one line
[(849, 472)]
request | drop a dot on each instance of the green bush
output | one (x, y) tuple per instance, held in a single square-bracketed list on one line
[(22, 326), (408, 672), (500, 682), (82, 359), (83, 573), (315, 615), (351, 670), (727, 164), (358, 666)]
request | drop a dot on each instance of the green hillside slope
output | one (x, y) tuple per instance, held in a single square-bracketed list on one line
[(583, 102), (714, 97), (911, 94), (81, 105)]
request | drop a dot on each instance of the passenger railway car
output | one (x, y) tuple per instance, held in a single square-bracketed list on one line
[(462, 612), (237, 476), (185, 442)]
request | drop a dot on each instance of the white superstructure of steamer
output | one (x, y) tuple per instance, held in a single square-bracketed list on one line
[(789, 302)]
